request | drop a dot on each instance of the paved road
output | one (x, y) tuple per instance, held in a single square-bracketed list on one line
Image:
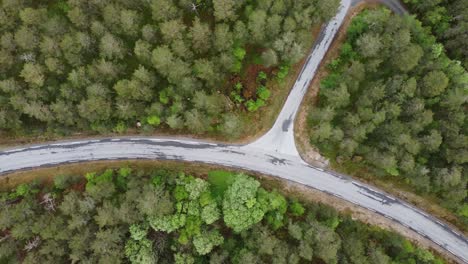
[(280, 138), (273, 154), (244, 157)]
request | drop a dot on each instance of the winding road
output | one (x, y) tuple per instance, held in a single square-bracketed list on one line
[(273, 154)]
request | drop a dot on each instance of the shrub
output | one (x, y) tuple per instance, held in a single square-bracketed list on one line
[(153, 120)]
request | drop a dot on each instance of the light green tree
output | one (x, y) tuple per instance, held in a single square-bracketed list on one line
[(206, 241), (241, 208)]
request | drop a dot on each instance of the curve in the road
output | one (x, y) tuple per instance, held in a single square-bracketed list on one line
[(243, 157), (273, 154)]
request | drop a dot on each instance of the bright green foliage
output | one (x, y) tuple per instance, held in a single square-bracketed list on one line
[(238, 86), (192, 226), (163, 97), (239, 53), (263, 93), (206, 198), (331, 81), (140, 251), (120, 128), (210, 213), (334, 64), (236, 93), (277, 206), (157, 180), (277, 202), (168, 223), (275, 219), (463, 211), (262, 76), (125, 172), (21, 191), (195, 187), (182, 258), (153, 120), (253, 106), (121, 179), (93, 179), (237, 97), (240, 206), (138, 232), (180, 193), (158, 177), (296, 208), (282, 73), (220, 181)]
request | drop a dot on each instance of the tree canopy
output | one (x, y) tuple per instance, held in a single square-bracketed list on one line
[(396, 107), (155, 215), (448, 21), (99, 66)]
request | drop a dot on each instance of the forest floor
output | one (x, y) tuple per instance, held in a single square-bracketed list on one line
[(311, 155), (287, 188)]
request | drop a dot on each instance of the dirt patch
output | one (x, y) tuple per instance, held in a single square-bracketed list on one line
[(310, 154), (287, 188), (262, 120)]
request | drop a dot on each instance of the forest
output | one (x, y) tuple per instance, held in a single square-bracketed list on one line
[(394, 104), (135, 215), (448, 21), (103, 65)]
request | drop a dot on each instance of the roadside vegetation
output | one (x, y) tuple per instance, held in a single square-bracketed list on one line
[(163, 216), (448, 21), (197, 67), (393, 104)]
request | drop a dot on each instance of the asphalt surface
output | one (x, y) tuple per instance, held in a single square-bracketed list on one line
[(246, 157), (273, 154)]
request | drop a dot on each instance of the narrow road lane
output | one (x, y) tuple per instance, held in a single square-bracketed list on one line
[(280, 138)]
